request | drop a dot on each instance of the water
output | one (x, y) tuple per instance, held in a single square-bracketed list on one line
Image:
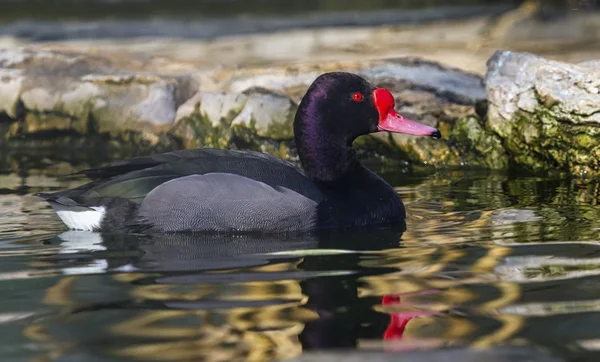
[(488, 260)]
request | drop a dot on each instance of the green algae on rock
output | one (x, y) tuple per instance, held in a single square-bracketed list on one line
[(478, 146), (64, 95), (541, 114), (261, 103), (256, 119), (545, 112)]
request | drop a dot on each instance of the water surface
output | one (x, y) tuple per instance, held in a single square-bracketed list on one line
[(487, 260)]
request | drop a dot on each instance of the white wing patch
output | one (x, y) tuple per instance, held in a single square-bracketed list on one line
[(87, 220)]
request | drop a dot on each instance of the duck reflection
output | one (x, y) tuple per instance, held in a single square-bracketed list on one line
[(244, 295)]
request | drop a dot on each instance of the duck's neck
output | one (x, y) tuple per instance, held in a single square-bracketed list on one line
[(324, 157)]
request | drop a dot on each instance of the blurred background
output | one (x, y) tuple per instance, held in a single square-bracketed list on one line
[(240, 32)]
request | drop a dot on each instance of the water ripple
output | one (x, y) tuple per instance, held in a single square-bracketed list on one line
[(487, 260)]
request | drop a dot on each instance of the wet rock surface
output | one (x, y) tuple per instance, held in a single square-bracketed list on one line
[(65, 96), (51, 91), (529, 111), (546, 113)]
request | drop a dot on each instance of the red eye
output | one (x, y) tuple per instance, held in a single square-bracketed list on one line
[(357, 97)]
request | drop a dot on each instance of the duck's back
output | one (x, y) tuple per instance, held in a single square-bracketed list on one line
[(133, 179), (193, 190)]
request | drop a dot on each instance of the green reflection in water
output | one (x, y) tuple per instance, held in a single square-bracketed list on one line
[(488, 259)]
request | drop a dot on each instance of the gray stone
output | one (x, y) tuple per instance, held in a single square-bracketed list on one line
[(521, 81), (451, 83), (546, 112), (251, 108), (215, 107), (84, 92), (447, 82), (268, 114)]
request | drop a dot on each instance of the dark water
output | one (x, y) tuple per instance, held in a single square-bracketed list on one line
[(488, 260)]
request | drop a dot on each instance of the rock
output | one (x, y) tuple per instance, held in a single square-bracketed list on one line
[(71, 94), (268, 114), (453, 84), (85, 93), (479, 147), (259, 104), (395, 73), (546, 113)]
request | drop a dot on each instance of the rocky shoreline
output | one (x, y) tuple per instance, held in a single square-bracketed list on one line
[(64, 95), (525, 111)]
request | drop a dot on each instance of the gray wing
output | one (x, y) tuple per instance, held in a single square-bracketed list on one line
[(224, 202)]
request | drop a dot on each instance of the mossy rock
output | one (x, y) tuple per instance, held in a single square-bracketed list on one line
[(546, 113)]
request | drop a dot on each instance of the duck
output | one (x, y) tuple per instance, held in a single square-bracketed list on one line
[(222, 191)]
